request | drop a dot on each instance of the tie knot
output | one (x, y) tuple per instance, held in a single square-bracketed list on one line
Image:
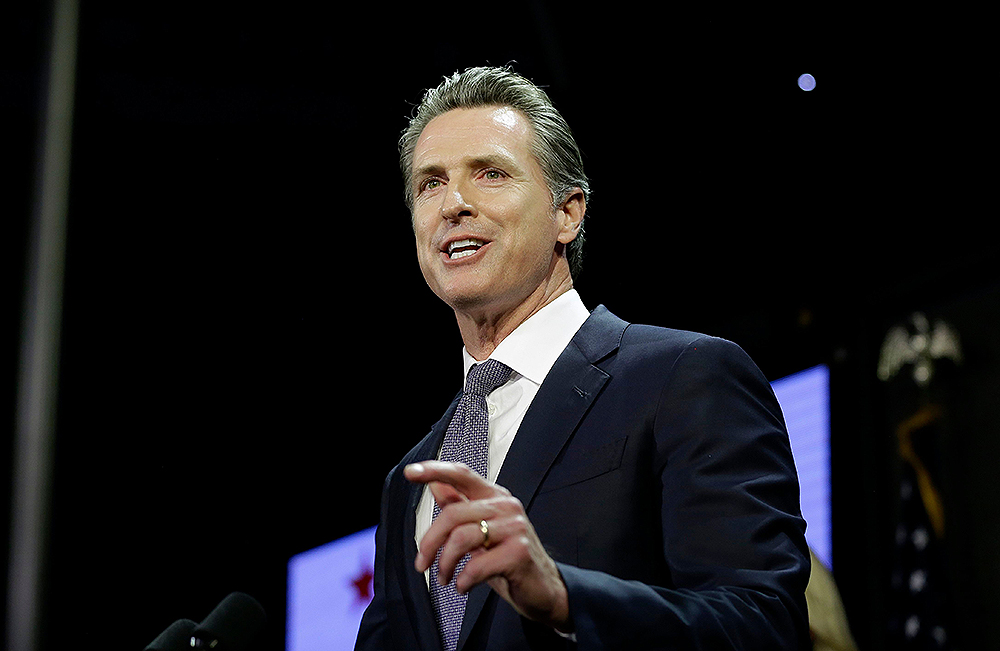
[(484, 378)]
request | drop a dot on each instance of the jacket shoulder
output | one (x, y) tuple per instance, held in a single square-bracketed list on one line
[(604, 323)]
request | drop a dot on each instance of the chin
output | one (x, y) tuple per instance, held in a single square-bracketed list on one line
[(464, 301), (465, 298), (463, 293)]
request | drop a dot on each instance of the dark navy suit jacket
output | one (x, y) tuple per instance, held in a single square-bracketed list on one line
[(655, 467)]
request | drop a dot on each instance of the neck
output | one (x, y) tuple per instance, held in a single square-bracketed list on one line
[(483, 330)]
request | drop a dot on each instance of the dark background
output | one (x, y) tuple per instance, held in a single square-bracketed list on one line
[(240, 267)]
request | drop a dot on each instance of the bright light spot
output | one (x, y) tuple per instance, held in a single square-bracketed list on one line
[(506, 116), (911, 627), (807, 82)]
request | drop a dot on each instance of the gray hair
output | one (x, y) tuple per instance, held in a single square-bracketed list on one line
[(553, 144)]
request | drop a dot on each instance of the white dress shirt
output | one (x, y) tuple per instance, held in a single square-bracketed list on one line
[(530, 350)]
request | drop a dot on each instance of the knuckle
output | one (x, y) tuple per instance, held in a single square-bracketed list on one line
[(445, 517), (470, 571), (471, 536), (456, 537), (514, 504), (449, 556)]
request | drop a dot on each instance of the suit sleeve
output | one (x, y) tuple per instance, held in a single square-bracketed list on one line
[(374, 633), (733, 537)]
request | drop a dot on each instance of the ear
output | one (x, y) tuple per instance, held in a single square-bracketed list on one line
[(571, 213)]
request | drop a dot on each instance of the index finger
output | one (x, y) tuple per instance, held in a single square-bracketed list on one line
[(459, 476)]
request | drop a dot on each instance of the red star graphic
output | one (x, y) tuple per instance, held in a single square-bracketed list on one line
[(363, 583)]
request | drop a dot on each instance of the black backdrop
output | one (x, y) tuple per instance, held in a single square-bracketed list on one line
[(240, 266)]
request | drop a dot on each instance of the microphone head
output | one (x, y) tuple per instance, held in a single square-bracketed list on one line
[(232, 626), (177, 636)]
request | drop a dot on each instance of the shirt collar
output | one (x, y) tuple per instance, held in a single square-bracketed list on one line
[(535, 345)]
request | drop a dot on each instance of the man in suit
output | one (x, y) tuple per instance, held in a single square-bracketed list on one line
[(637, 488)]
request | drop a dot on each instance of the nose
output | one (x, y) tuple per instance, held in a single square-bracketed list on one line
[(454, 205)]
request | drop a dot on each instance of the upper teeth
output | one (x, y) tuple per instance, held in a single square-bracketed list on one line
[(458, 244)]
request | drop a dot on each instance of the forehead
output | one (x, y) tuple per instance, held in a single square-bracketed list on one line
[(474, 131)]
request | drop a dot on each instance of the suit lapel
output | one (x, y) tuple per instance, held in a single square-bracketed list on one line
[(562, 400)]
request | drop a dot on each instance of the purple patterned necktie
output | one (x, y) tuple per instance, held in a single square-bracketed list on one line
[(466, 441)]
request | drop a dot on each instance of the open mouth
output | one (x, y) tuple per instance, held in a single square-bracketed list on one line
[(464, 248)]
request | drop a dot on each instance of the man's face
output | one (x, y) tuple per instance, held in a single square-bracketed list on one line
[(485, 228)]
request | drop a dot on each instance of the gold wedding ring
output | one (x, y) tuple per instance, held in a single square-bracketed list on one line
[(484, 526)]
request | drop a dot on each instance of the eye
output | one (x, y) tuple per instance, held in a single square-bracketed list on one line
[(430, 184), (493, 175)]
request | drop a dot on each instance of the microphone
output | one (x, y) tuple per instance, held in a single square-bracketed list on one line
[(232, 626), (176, 636)]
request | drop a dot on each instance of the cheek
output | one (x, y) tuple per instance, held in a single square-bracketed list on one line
[(422, 233), (424, 254), (425, 258)]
